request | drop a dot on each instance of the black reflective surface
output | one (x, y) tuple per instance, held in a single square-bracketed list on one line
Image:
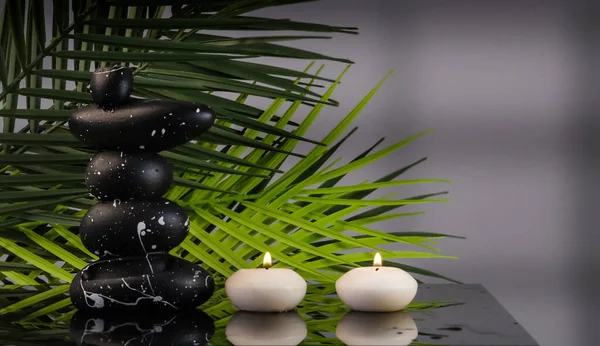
[(442, 314)]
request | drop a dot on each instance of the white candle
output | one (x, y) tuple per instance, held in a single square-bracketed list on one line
[(377, 328), (376, 288), (271, 328), (265, 289)]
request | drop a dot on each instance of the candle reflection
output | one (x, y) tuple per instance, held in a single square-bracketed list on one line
[(377, 328), (252, 328), (144, 329)]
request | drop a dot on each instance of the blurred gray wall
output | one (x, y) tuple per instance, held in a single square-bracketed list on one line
[(510, 89)]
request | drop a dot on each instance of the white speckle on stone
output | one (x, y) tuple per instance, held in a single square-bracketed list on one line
[(98, 301), (153, 133), (143, 233), (170, 113), (163, 131), (161, 221), (142, 147), (141, 226), (197, 110), (107, 76), (183, 123), (153, 247)]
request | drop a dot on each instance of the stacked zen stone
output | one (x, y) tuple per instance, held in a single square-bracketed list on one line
[(132, 227)]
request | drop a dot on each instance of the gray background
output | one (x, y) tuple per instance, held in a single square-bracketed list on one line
[(509, 87)]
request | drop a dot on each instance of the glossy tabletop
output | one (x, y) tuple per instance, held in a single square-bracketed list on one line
[(441, 314)]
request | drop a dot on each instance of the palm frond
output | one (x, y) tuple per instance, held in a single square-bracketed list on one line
[(230, 179)]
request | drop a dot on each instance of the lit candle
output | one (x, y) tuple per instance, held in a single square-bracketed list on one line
[(377, 328), (251, 328), (265, 289), (376, 288)]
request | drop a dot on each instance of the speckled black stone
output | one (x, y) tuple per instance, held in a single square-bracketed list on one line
[(111, 86), (123, 228), (147, 125), (193, 328), (122, 175), (151, 282)]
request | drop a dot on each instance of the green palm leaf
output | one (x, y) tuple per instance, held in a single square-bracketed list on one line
[(241, 200)]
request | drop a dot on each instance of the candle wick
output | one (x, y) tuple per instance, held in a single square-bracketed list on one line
[(377, 269)]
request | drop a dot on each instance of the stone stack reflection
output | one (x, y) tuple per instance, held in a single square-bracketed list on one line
[(190, 328), (132, 227)]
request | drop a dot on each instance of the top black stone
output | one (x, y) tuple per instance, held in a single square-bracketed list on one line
[(111, 86)]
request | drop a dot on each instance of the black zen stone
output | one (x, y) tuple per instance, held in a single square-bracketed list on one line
[(123, 228), (151, 282), (111, 86), (128, 175), (147, 125), (193, 328)]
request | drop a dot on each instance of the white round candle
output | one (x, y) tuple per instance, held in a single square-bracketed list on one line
[(377, 328), (376, 288), (265, 289), (271, 328)]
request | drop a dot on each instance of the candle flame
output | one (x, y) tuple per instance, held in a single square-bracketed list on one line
[(267, 261), (377, 260)]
